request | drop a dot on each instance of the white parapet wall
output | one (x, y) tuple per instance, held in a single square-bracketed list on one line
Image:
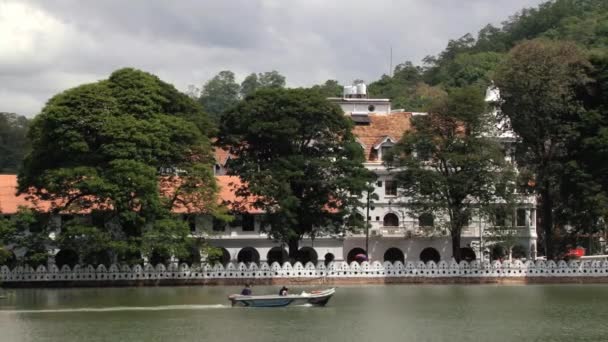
[(337, 270)]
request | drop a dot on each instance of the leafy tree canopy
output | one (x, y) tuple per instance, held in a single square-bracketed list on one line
[(299, 159), (540, 83), (107, 144), (219, 93), (267, 80), (13, 141), (447, 166)]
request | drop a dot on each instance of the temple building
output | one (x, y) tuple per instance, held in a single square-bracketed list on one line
[(395, 234)]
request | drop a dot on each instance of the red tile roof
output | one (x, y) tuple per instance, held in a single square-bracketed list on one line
[(221, 156), (10, 202), (391, 125)]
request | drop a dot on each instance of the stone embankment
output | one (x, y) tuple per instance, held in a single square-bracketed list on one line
[(336, 273)]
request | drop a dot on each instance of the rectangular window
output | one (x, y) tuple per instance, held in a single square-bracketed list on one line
[(426, 220), (390, 188), (237, 221), (191, 219), (248, 223), (521, 217), (503, 217), (386, 150), (218, 225), (379, 184)]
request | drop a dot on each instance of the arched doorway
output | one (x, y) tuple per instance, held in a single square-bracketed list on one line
[(307, 254), (98, 258), (394, 254), (356, 254), (391, 220), (518, 252), (329, 257), (498, 252), (66, 257), (277, 254), (467, 254), (218, 255), (430, 254), (159, 257), (248, 255), (10, 260), (193, 257)]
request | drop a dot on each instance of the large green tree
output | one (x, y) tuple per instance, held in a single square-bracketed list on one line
[(584, 182), (131, 146), (540, 84), (219, 93), (298, 159), (331, 88), (266, 80), (13, 141), (449, 166)]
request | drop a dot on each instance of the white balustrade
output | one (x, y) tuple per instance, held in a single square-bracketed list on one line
[(376, 269)]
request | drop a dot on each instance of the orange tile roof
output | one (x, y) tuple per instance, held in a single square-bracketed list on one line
[(10, 202), (391, 125), (221, 156)]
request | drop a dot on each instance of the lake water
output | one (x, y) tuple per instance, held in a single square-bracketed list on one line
[(358, 313)]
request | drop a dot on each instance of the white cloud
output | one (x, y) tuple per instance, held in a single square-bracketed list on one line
[(48, 46)]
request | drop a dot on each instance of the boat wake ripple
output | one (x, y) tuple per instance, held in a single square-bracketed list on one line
[(122, 308)]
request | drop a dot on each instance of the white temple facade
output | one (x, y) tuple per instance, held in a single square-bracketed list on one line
[(395, 234)]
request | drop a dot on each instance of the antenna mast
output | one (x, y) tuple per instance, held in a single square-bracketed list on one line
[(390, 71)]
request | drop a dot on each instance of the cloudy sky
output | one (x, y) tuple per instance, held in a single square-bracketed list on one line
[(47, 46)]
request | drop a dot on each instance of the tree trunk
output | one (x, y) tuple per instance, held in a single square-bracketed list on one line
[(456, 244), (546, 201), (293, 245)]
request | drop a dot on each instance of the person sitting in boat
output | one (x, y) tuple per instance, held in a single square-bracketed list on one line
[(246, 291), (284, 291)]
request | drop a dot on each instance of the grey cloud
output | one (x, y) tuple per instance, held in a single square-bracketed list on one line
[(188, 41)]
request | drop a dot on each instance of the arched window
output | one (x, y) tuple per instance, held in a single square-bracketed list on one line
[(391, 220), (329, 257), (356, 254), (248, 255), (429, 254), (276, 254), (467, 254), (394, 254), (66, 257), (222, 257), (159, 257), (307, 254)]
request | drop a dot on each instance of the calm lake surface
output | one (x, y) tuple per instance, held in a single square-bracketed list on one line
[(357, 313)]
